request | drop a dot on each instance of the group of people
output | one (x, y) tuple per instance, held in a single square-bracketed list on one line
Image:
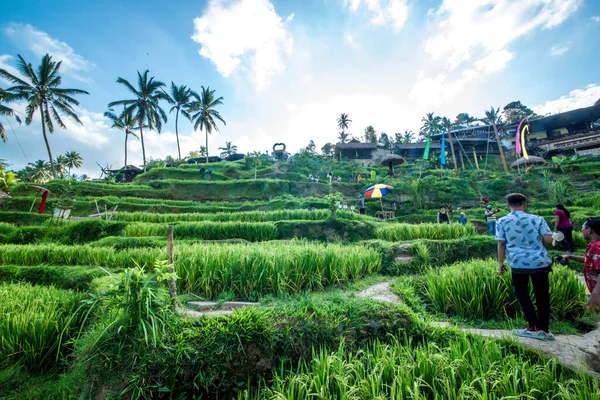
[(521, 238), (315, 177), (445, 214)]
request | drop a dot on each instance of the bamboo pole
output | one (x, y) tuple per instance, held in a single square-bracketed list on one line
[(475, 157), (172, 285), (32, 204)]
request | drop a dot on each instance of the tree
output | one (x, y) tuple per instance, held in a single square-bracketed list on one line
[(343, 137), (144, 107), (343, 123), (5, 111), (448, 125), (203, 151), (180, 97), (515, 111), (7, 179), (494, 118), (311, 148), (125, 122), (405, 137), (370, 135), (228, 150), (39, 171), (255, 157), (205, 113), (61, 166), (328, 149), (41, 89), (431, 125), (385, 142), (464, 120), (73, 160)]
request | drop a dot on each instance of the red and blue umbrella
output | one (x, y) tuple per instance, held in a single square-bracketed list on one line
[(378, 191)]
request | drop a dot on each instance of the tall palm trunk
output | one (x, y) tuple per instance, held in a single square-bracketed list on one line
[(207, 146), (42, 112), (143, 147), (500, 148), (177, 133), (126, 136), (452, 149)]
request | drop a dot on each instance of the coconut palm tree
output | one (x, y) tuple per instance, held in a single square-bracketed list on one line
[(343, 137), (494, 118), (42, 92), (204, 113), (180, 97), (125, 122), (61, 166), (5, 111), (228, 150), (73, 160), (432, 124), (343, 123), (446, 123), (144, 107), (39, 171)]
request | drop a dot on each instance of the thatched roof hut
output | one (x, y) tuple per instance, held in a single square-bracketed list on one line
[(532, 160)]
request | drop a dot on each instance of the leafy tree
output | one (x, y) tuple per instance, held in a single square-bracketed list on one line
[(125, 122), (255, 158), (144, 107), (405, 138), (343, 137), (370, 135), (228, 150), (41, 89), (328, 149), (7, 179), (343, 123), (39, 171), (333, 199), (73, 160), (180, 97), (194, 154), (203, 151), (204, 113), (515, 111), (311, 149), (432, 125), (464, 120), (446, 123), (385, 142), (494, 118), (61, 166), (5, 111)]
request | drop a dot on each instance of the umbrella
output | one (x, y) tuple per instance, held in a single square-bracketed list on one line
[(378, 191), (532, 160), (392, 160)]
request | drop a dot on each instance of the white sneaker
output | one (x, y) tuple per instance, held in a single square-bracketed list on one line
[(540, 335), (547, 336)]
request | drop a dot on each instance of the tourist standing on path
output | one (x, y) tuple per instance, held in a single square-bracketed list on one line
[(591, 260), (462, 219), (521, 238), (562, 223), (490, 216), (317, 177), (442, 217), (361, 204)]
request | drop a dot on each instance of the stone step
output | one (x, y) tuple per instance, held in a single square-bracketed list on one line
[(403, 258), (212, 305)]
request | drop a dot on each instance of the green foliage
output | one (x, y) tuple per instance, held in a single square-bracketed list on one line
[(332, 200), (400, 232), (251, 231), (23, 218), (62, 277), (91, 230), (35, 324), (331, 230), (474, 290)]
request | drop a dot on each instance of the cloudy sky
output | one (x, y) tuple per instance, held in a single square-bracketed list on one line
[(287, 68)]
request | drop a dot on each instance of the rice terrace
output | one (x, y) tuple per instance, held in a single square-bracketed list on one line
[(156, 250)]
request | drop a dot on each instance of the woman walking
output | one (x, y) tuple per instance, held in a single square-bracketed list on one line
[(562, 223)]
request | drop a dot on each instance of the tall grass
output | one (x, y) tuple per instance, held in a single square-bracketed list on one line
[(399, 232), (248, 271), (467, 368), (32, 322), (475, 291), (254, 232)]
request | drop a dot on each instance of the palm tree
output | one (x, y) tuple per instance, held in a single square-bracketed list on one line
[(180, 97), (228, 150), (61, 165), (343, 137), (494, 118), (448, 125), (431, 125), (39, 171), (204, 109), (73, 160), (43, 93), (145, 106), (5, 98), (126, 122), (343, 123)]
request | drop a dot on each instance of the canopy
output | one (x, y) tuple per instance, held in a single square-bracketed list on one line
[(392, 160), (532, 160), (378, 191)]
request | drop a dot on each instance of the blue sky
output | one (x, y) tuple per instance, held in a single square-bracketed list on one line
[(287, 69)]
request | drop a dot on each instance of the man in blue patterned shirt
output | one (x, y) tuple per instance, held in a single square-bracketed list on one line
[(521, 238)]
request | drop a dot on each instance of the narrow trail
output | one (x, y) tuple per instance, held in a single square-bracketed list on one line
[(580, 351)]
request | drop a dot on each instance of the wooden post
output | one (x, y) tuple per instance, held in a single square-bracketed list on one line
[(172, 286), (32, 204), (475, 157)]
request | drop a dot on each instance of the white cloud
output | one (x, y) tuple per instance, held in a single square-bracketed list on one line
[(244, 35), (473, 38), (41, 43), (350, 41), (578, 98), (558, 50), (385, 12), (596, 18)]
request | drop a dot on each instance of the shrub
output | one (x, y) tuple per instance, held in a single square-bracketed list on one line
[(62, 277), (90, 230), (474, 290), (251, 231), (35, 324), (23, 218), (399, 232), (327, 231)]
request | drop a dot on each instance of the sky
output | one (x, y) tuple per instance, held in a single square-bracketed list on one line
[(286, 69)]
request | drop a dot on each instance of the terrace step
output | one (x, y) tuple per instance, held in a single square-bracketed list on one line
[(381, 292), (403, 258), (582, 186), (211, 308)]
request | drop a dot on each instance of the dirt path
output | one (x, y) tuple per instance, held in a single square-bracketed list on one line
[(573, 350)]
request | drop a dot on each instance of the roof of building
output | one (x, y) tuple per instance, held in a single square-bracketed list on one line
[(566, 119), (130, 168), (355, 145)]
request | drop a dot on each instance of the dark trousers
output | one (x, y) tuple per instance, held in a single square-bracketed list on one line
[(541, 290), (568, 244), (361, 210)]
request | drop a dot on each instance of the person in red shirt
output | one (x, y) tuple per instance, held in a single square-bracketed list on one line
[(591, 260), (562, 223)]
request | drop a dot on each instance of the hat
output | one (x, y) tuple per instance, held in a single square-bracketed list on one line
[(462, 213), (557, 237), (489, 207)]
